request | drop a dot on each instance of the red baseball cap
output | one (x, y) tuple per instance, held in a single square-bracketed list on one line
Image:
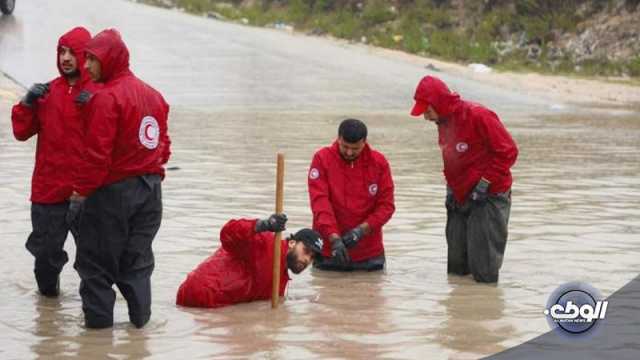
[(419, 108), (433, 92)]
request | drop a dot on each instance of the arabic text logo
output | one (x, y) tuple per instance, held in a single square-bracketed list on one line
[(575, 308)]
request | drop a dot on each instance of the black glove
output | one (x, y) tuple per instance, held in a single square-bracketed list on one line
[(339, 252), (83, 97), (450, 202), (35, 92), (351, 237), (275, 223), (75, 207), (480, 193)]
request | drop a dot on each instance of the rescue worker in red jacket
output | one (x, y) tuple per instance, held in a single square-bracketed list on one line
[(51, 111), (351, 198), (241, 269), (127, 145), (478, 153)]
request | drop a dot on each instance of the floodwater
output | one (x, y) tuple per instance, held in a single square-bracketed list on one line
[(238, 96)]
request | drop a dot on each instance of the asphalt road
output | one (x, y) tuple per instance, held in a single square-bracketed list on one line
[(201, 62)]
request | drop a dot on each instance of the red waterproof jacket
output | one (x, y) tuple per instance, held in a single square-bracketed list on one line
[(474, 143), (126, 122), (345, 194), (239, 271), (56, 119)]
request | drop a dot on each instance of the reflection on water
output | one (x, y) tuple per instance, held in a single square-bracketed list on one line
[(574, 217), (362, 326), (474, 313), (49, 322)]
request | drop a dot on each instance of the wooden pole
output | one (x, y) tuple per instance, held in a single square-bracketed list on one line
[(275, 288)]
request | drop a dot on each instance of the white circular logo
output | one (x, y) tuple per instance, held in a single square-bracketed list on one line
[(575, 308), (149, 133), (314, 174), (373, 189), (462, 147)]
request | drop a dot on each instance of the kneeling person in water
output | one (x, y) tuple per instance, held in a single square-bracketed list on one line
[(241, 269)]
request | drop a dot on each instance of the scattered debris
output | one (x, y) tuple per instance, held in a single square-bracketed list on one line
[(279, 25), (214, 15), (480, 68), (316, 32), (432, 67)]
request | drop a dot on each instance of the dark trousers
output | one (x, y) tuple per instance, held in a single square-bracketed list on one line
[(329, 263), (116, 228), (477, 237), (46, 244)]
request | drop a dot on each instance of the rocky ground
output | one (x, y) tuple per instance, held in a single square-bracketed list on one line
[(607, 34)]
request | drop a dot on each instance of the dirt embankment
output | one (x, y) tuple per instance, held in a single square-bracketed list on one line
[(584, 37)]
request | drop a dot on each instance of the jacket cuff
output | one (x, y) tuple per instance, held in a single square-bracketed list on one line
[(252, 224), (489, 178), (328, 230), (374, 225), (83, 192)]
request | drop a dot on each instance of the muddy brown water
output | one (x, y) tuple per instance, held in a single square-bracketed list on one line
[(574, 214), (574, 217)]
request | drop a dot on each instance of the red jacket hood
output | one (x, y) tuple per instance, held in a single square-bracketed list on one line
[(435, 92), (112, 53), (76, 39)]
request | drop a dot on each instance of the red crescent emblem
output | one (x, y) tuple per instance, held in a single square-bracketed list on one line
[(146, 132)]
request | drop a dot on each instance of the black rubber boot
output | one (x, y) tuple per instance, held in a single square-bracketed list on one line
[(50, 289)]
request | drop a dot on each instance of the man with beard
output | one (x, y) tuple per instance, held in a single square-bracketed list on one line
[(127, 146), (241, 269), (478, 153), (351, 198), (52, 111)]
